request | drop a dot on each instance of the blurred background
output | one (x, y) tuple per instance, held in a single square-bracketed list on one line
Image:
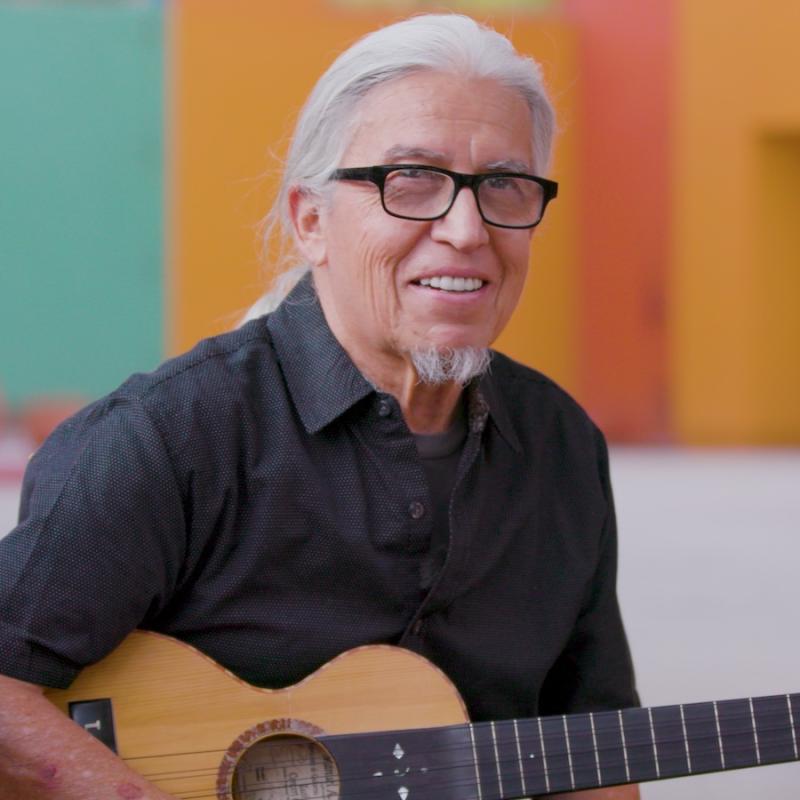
[(140, 144)]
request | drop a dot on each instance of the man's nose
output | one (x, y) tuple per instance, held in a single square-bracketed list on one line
[(462, 226)]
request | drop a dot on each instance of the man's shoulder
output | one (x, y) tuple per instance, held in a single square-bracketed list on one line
[(521, 385), (204, 388), (209, 365)]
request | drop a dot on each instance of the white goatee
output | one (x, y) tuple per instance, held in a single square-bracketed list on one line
[(437, 365)]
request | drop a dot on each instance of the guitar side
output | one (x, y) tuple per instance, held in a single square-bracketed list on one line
[(176, 712)]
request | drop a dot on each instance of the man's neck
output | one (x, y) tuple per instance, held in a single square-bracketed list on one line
[(427, 408)]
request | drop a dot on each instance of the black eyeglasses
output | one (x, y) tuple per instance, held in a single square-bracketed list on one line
[(424, 193)]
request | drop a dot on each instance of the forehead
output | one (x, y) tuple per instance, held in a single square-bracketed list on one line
[(463, 123)]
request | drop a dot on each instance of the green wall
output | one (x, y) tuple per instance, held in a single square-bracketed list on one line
[(81, 195)]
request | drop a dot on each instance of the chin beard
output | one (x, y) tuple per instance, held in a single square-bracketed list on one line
[(438, 365)]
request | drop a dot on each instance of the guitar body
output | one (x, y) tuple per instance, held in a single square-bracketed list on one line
[(193, 728)]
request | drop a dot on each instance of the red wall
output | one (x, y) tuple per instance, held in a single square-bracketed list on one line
[(624, 51)]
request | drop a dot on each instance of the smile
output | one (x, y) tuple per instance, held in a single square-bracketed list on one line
[(449, 284)]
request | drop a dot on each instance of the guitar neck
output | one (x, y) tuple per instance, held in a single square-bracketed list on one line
[(519, 758)]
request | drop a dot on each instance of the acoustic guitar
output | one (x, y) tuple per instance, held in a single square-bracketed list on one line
[(382, 723)]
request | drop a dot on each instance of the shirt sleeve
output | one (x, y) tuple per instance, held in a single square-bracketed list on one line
[(98, 546), (595, 670)]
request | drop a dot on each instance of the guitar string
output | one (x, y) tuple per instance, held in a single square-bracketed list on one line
[(371, 792), (709, 749), (664, 741), (554, 736), (465, 784)]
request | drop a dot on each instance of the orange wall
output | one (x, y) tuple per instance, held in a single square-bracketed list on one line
[(735, 310), (240, 71)]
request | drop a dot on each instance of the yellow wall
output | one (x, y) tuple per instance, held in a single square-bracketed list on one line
[(735, 294), (240, 71), (543, 332)]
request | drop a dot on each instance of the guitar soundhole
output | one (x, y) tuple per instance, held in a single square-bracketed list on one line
[(285, 767)]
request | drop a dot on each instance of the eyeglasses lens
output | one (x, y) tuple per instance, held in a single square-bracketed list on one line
[(424, 194), (417, 193), (511, 201)]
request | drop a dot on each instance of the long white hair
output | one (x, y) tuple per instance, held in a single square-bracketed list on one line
[(443, 42)]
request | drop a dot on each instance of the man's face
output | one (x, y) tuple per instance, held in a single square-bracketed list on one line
[(370, 265)]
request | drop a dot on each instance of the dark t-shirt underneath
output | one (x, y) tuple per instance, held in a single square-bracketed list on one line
[(440, 454)]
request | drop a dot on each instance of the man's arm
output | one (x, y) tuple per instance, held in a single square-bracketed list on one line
[(46, 756)]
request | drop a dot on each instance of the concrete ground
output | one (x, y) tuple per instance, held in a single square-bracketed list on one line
[(709, 585), (710, 547)]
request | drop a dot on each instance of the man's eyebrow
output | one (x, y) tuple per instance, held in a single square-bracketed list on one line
[(509, 165), (400, 153)]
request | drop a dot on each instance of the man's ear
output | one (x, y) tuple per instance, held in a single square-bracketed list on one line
[(305, 210)]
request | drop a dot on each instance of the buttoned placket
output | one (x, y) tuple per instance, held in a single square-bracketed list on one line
[(389, 424), (445, 586)]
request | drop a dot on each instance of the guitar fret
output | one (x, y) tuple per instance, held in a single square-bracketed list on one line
[(569, 752), (669, 726), (737, 733), (475, 760), (559, 766), (791, 724), (777, 740), (755, 732), (519, 758), (624, 748), (701, 729), (609, 747), (497, 760), (582, 751), (544, 756), (686, 740), (719, 736), (596, 752), (639, 744), (533, 761), (653, 737)]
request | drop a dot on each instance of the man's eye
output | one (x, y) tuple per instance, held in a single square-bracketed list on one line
[(415, 174), (500, 182)]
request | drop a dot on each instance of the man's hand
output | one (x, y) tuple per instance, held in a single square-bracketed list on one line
[(46, 756)]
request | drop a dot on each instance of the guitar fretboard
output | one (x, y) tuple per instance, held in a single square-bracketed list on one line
[(520, 758)]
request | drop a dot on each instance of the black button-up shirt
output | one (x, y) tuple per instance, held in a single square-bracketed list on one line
[(258, 498)]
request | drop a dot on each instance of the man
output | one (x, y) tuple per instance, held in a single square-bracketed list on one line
[(344, 470)]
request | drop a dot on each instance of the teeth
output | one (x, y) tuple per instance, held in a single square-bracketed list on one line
[(450, 284)]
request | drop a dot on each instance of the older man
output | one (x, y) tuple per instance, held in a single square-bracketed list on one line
[(344, 470)]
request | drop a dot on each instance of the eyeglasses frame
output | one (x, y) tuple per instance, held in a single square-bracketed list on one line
[(377, 175)]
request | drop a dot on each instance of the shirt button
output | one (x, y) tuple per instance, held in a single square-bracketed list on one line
[(416, 510), (384, 409)]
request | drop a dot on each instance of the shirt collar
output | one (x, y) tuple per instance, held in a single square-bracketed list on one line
[(324, 382), (486, 399)]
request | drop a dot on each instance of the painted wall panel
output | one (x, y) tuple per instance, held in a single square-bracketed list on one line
[(776, 417), (626, 56), (80, 195), (735, 288)]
